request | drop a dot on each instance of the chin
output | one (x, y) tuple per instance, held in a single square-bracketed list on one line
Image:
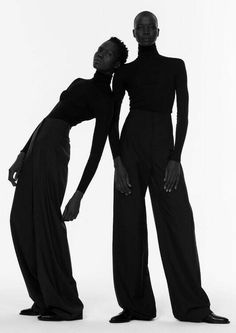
[(146, 43)]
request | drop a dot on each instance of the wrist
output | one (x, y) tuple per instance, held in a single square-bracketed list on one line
[(117, 161), (79, 194)]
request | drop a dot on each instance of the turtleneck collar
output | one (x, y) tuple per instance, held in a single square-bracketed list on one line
[(102, 80), (147, 51)]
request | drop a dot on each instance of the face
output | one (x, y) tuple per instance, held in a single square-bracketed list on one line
[(145, 30), (106, 57)]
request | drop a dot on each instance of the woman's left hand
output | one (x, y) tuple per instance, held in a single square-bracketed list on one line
[(72, 208), (172, 175)]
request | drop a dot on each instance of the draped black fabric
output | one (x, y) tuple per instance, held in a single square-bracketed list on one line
[(145, 143), (83, 100), (38, 231)]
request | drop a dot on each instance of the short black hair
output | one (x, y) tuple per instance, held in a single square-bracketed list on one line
[(145, 13), (122, 49)]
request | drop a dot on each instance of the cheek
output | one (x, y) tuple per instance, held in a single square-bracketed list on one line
[(108, 62)]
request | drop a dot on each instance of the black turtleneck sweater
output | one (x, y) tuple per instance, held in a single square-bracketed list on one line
[(86, 99), (152, 80)]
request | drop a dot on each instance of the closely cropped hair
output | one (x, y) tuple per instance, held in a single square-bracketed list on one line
[(123, 50)]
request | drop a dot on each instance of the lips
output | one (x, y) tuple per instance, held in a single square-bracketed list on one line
[(97, 60)]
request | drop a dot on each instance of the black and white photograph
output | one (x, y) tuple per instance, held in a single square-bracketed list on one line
[(118, 166)]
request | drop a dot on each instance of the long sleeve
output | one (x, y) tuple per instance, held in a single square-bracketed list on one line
[(100, 134), (118, 88), (182, 99)]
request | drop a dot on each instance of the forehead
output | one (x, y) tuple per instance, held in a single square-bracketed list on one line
[(145, 20), (109, 46)]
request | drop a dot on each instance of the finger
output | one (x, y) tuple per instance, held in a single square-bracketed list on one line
[(16, 175), (177, 182), (128, 184), (118, 186), (126, 187), (71, 214), (64, 216), (128, 181), (10, 175), (173, 182), (165, 176), (169, 182), (122, 185)]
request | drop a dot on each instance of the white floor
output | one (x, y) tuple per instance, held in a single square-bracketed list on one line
[(98, 310)]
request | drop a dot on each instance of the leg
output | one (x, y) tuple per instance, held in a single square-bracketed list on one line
[(22, 229), (130, 247), (54, 271), (176, 235)]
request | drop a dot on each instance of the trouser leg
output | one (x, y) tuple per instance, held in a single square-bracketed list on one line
[(130, 244), (23, 234), (39, 234), (54, 268), (176, 235)]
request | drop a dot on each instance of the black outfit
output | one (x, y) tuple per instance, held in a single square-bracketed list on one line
[(85, 100), (145, 146), (38, 230)]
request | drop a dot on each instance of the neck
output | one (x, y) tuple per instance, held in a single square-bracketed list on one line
[(147, 51), (102, 79)]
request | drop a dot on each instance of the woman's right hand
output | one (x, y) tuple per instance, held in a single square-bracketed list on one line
[(122, 182), (15, 169)]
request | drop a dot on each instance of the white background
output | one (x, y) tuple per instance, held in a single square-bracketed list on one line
[(46, 44)]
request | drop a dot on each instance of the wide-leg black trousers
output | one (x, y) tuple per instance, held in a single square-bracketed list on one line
[(38, 231), (146, 140)]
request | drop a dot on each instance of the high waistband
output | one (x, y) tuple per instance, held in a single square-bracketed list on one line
[(56, 122), (60, 125), (151, 112)]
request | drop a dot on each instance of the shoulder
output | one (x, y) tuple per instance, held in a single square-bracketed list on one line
[(78, 82), (79, 85), (175, 65), (173, 61)]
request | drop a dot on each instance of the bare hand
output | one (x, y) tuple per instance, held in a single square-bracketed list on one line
[(72, 208), (172, 175), (122, 182), (14, 170)]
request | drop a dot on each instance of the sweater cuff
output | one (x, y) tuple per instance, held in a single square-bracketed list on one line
[(174, 156)]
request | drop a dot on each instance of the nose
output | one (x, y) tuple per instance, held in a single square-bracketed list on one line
[(146, 30), (100, 54)]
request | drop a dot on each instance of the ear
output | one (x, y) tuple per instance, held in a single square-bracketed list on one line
[(134, 33), (158, 30)]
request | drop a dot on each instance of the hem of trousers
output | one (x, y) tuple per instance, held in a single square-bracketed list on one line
[(141, 316), (198, 317)]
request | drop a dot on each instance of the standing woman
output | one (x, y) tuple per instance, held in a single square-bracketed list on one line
[(41, 169)]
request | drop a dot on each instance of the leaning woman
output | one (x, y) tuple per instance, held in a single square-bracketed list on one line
[(40, 176)]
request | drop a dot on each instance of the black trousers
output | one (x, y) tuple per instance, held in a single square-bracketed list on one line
[(38, 231), (146, 140)]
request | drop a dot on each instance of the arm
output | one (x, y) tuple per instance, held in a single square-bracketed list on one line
[(118, 88), (182, 111), (101, 131), (122, 181)]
